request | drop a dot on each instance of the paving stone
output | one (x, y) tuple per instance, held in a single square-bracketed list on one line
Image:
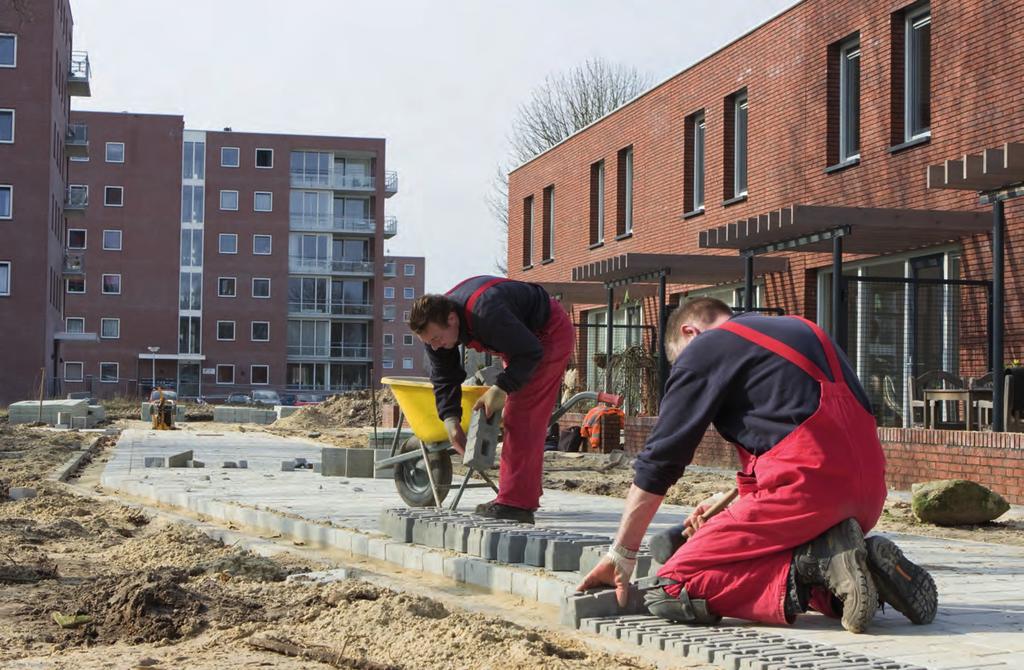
[(154, 462), (21, 492), (591, 556), (195, 464), (287, 466), (179, 460), (456, 535), (536, 548), (359, 463), (228, 465), (300, 461), (564, 554), (644, 562), (243, 465), (481, 441), (512, 547), (598, 603)]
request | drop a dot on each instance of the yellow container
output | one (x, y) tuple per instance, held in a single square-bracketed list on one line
[(415, 395)]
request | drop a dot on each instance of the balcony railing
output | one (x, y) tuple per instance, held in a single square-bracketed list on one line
[(326, 222), (76, 199), (337, 182), (336, 387), (390, 226), (391, 269), (364, 310), (328, 266), (342, 351), (74, 264), (79, 74), (390, 183), (76, 142)]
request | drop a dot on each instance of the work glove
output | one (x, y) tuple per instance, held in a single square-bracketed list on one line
[(455, 433), (615, 569), (694, 521), (492, 401)]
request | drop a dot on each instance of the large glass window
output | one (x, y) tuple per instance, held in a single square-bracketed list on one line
[(191, 204), (6, 126), (311, 168), (229, 157), (190, 291), (698, 163), (627, 207), (849, 100), (307, 294), (528, 231), (310, 208), (193, 162), (8, 50), (115, 152), (308, 338), (191, 248), (917, 71), (189, 329), (740, 145)]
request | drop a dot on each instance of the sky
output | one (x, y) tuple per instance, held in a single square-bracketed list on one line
[(439, 80)]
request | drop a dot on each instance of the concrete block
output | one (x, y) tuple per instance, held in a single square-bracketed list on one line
[(564, 554), (512, 547), (317, 468), (455, 568), (359, 463), (376, 547), (591, 556), (553, 591), (382, 473), (394, 552), (360, 544), (243, 464), (524, 585), (456, 535), (287, 466), (433, 563), (644, 562), (300, 461), (154, 462), (229, 465), (79, 422), (63, 420), (195, 464), (21, 492), (179, 460), (536, 547), (598, 603), (489, 543), (482, 441)]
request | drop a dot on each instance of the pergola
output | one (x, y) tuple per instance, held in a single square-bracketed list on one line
[(647, 273), (997, 175)]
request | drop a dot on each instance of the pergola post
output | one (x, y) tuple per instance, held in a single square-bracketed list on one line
[(748, 282), (838, 332), (662, 354), (609, 319), (998, 379)]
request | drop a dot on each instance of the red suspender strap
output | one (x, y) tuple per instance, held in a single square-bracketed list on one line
[(776, 347), (830, 350), (474, 297)]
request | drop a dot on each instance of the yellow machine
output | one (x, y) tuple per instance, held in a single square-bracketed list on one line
[(163, 410)]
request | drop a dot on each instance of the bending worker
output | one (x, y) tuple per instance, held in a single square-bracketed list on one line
[(813, 481), (534, 337)]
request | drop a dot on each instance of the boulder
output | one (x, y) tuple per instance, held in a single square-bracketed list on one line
[(956, 502)]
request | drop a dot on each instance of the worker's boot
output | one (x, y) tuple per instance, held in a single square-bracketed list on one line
[(837, 561), (681, 609), (495, 510), (904, 585)]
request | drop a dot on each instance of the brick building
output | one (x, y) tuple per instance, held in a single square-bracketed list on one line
[(403, 282)]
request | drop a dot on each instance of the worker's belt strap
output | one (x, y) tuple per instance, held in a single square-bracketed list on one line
[(473, 343), (789, 353)]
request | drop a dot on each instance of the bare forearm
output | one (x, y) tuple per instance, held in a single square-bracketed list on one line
[(640, 509)]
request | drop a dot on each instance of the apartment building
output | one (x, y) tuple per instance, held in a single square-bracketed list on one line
[(39, 72), (403, 280)]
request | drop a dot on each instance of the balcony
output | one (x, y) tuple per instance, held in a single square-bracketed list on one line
[(79, 75), (361, 311), (74, 264), (328, 223), (300, 265), (76, 142), (334, 181), (389, 312), (390, 227), (390, 269), (338, 352), (390, 183), (76, 199)]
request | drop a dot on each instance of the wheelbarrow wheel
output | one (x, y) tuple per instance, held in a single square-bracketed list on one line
[(411, 477)]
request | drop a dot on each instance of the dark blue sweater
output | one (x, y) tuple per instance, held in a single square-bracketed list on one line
[(754, 397)]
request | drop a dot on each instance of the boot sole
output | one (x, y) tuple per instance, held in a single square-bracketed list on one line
[(904, 585), (851, 580)]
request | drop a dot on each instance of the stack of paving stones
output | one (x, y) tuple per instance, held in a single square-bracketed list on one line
[(598, 612), (229, 414)]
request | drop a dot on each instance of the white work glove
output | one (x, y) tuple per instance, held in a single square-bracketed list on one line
[(456, 435), (615, 569), (492, 401)]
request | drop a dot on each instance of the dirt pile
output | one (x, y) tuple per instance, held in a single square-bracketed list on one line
[(346, 410), (29, 454)]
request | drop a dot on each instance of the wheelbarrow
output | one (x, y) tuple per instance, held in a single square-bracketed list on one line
[(423, 463)]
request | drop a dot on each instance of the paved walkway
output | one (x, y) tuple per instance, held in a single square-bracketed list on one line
[(980, 623)]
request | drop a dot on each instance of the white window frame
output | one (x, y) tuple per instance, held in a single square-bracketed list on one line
[(252, 288), (405, 316), (217, 374), (106, 152), (10, 189), (740, 103), (270, 250), (387, 364), (408, 293), (120, 239), (389, 340), (407, 340), (13, 120), (10, 272), (409, 269), (108, 319), (909, 101), (699, 139), (68, 291), (85, 238), (234, 332), (103, 284), (848, 50), (252, 326), (221, 237), (221, 203), (628, 228), (256, 161), (255, 197), (389, 292), (252, 377), (108, 189), (81, 371), (69, 319), (407, 363), (117, 372), (238, 157), (225, 295), (15, 63)]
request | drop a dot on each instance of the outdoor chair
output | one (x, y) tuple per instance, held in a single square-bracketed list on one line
[(1013, 417), (893, 403), (933, 379)]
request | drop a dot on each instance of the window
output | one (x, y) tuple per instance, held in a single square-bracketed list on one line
[(264, 158), (8, 50), (260, 331), (548, 235), (917, 110), (263, 201), (6, 126), (735, 147), (408, 293), (189, 334), (74, 372), (528, 232), (407, 364), (193, 160), (849, 100), (624, 220), (389, 292), (261, 245), (407, 340), (226, 287), (112, 284), (229, 200), (6, 201), (74, 284), (110, 329), (112, 240), (225, 374), (5, 278), (740, 155), (74, 324), (113, 196), (115, 152), (76, 238), (405, 316), (260, 287), (387, 365), (225, 331), (227, 243), (259, 375), (596, 203), (191, 204), (693, 167), (191, 248), (389, 339), (410, 270), (229, 157), (109, 373)]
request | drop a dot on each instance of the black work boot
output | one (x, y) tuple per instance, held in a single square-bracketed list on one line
[(495, 510), (837, 560), (904, 585)]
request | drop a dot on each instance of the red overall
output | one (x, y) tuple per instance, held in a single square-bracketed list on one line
[(528, 410), (830, 468)]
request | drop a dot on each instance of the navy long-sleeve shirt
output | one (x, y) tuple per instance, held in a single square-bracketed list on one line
[(754, 398), (505, 320)]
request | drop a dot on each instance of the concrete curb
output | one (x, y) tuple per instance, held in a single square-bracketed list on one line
[(68, 468)]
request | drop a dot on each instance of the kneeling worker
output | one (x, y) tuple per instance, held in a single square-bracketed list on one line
[(534, 337), (813, 481)]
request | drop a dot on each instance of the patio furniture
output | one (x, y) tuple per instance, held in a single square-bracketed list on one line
[(1013, 415), (934, 380)]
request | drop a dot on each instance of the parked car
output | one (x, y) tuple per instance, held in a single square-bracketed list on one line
[(265, 397), (308, 399), (154, 395), (237, 399), (287, 398)]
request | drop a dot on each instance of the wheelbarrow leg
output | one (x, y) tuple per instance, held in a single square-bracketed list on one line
[(398, 432), (465, 482), (430, 474)]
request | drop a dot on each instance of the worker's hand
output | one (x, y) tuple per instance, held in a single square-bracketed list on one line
[(492, 401), (694, 521), (615, 569), (456, 435)]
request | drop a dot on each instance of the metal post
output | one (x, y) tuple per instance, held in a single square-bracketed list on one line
[(608, 341), (998, 378), (838, 333), (748, 282), (662, 354)]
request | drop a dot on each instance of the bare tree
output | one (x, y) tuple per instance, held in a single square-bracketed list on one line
[(563, 104)]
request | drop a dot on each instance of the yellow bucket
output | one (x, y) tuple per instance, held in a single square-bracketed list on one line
[(415, 395)]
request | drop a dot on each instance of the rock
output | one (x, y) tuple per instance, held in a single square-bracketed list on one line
[(956, 502), (314, 434), (20, 492)]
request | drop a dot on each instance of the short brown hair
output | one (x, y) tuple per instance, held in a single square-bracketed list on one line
[(430, 308), (703, 310)]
